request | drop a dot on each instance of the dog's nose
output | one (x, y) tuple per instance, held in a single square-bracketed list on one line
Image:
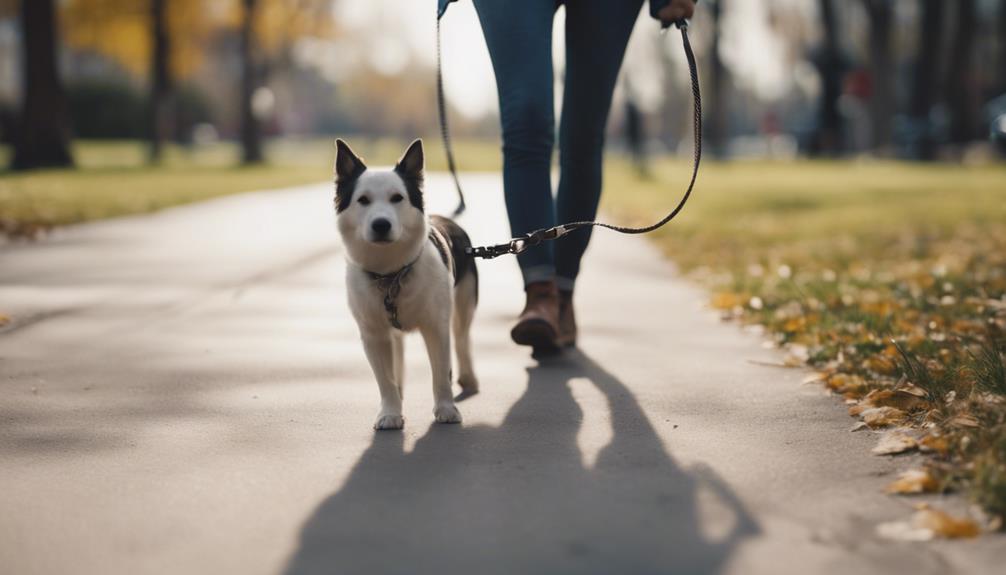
[(381, 226)]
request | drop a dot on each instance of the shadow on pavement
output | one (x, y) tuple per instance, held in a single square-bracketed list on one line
[(518, 498)]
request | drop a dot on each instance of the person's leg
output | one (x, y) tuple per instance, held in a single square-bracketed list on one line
[(597, 32), (519, 36)]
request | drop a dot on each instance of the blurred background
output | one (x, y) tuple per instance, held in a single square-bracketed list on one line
[(850, 203), (914, 79)]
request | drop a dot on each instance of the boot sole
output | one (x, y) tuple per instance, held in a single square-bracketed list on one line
[(536, 333)]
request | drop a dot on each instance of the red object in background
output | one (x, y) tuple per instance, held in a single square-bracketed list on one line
[(770, 123), (859, 83)]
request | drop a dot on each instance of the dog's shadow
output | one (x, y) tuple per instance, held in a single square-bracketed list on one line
[(518, 498)]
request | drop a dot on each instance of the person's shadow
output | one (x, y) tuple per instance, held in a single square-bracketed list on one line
[(518, 498)]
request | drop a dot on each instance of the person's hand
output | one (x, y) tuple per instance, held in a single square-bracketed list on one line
[(677, 10)]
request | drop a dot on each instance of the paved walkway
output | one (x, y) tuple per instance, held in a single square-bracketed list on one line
[(185, 393)]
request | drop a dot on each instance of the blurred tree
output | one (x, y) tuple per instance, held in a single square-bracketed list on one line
[(251, 131), (160, 82), (831, 66), (268, 31), (122, 30), (163, 39), (881, 15), (1002, 46), (717, 84), (42, 138), (962, 96), (926, 73)]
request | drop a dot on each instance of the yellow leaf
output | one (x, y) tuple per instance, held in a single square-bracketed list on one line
[(943, 524), (877, 417), (881, 365), (4, 319), (914, 481), (935, 444), (726, 300), (893, 443)]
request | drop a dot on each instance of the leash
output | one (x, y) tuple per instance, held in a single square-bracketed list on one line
[(522, 243), (445, 133)]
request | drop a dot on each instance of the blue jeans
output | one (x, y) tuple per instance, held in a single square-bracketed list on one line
[(519, 36)]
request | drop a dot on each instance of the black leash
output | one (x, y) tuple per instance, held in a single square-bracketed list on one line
[(518, 245), (445, 134)]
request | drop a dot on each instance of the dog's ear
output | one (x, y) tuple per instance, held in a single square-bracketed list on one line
[(347, 164), (410, 169), (411, 163), (348, 167)]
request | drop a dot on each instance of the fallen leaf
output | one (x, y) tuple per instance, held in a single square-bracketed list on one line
[(934, 444), (877, 417), (903, 531), (793, 361), (726, 300), (965, 421), (945, 525), (912, 389), (928, 523), (814, 378), (904, 398), (881, 365), (4, 319), (913, 481), (787, 363), (894, 442), (844, 383), (859, 425)]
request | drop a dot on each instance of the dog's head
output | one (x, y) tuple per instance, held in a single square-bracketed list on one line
[(379, 212)]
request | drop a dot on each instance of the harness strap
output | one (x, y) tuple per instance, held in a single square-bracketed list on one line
[(391, 283)]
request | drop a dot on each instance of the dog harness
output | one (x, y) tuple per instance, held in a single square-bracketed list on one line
[(391, 284)]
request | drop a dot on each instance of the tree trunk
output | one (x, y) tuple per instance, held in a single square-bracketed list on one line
[(1002, 46), (717, 84), (251, 133), (881, 14), (160, 85), (43, 135), (926, 75), (961, 94), (829, 61)]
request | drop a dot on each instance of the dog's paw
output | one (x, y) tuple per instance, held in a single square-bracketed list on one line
[(447, 413), (469, 383), (389, 421)]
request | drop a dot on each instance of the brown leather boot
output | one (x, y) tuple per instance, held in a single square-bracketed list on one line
[(538, 325), (567, 320)]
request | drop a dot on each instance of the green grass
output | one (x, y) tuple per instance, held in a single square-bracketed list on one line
[(875, 273), (113, 178)]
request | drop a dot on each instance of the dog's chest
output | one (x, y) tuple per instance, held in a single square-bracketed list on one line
[(423, 296)]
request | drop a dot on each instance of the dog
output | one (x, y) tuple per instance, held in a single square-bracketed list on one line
[(406, 272)]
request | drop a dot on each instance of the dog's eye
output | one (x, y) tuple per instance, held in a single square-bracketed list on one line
[(396, 198), (364, 201)]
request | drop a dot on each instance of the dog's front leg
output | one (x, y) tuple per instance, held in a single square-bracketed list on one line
[(380, 354), (438, 346)]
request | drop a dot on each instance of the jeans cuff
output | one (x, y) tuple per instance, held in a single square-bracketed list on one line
[(565, 284), (538, 274)]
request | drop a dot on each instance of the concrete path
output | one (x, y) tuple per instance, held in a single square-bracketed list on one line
[(185, 393)]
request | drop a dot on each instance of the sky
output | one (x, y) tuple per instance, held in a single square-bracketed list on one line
[(391, 34)]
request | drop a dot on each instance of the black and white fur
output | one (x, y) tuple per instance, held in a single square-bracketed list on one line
[(381, 218)]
